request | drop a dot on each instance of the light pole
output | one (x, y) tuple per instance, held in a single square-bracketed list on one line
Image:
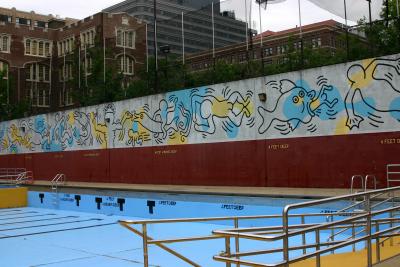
[(155, 47), (347, 29)]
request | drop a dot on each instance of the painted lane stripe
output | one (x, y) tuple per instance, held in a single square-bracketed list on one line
[(50, 224), (49, 219), (19, 213), (39, 215), (61, 230), (5, 211)]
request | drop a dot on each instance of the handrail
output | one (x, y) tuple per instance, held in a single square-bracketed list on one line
[(354, 177), (366, 181), (390, 172), (59, 179), (345, 220), (24, 178), (289, 231), (367, 196), (10, 174)]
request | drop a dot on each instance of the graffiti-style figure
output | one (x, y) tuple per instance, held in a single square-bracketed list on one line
[(384, 71), (207, 107), (34, 136), (62, 132), (19, 139), (100, 130), (82, 130), (293, 106), (166, 116), (135, 137)]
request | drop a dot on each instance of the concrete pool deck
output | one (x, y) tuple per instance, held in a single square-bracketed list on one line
[(213, 190)]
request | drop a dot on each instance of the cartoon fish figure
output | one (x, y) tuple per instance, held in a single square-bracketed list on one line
[(292, 106)]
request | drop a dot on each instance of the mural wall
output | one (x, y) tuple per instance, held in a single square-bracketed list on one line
[(353, 98)]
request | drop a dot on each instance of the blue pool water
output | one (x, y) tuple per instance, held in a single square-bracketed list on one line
[(83, 230)]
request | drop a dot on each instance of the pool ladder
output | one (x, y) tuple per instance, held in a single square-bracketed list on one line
[(59, 179)]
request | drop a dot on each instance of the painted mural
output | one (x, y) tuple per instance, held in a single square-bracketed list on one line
[(353, 98)]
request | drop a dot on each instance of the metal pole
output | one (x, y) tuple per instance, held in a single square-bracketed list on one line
[(155, 47), (303, 236), (228, 249), (247, 35), (145, 246), (213, 29), (301, 33), (317, 241), (377, 247), (104, 59), (347, 30), (8, 85), (64, 80), (237, 248), (86, 67), (369, 11), (124, 69), (370, 26), (285, 225), (261, 36), (147, 52), (368, 230), (79, 68), (50, 71), (183, 43)]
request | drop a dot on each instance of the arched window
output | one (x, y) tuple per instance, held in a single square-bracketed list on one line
[(5, 42)]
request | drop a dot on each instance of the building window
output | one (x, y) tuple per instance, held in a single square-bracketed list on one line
[(38, 73), (125, 38), (37, 47), (316, 42), (297, 45), (65, 72), (4, 70), (126, 65), (5, 41), (88, 38), (66, 46), (281, 49), (23, 21), (268, 51), (66, 97), (87, 63)]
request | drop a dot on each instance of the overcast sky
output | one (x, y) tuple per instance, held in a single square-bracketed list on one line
[(276, 17)]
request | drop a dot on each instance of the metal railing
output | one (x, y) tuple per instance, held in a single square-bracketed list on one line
[(59, 179), (10, 174), (392, 174), (24, 178), (350, 226), (365, 225)]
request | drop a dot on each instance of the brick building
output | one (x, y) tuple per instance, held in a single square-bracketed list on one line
[(39, 54), (276, 45)]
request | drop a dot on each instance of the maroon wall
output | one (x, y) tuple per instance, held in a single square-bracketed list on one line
[(327, 161)]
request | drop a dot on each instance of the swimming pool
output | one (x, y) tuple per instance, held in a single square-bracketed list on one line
[(166, 205), (81, 229)]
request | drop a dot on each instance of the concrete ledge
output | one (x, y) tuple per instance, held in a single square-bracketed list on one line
[(213, 190), (13, 197)]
